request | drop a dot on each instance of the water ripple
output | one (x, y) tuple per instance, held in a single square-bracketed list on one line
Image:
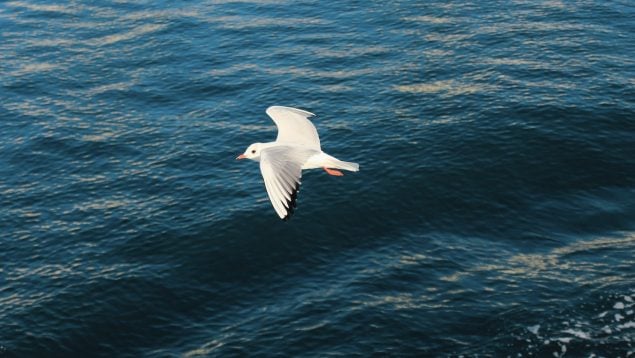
[(496, 189)]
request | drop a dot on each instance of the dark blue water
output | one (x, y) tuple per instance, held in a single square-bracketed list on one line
[(494, 213)]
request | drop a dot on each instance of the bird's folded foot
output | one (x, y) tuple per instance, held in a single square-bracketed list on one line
[(337, 173)]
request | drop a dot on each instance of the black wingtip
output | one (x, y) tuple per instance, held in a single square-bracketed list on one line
[(292, 202)]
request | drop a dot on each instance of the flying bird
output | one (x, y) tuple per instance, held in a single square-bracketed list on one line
[(297, 147)]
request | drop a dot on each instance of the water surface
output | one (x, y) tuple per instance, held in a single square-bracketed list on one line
[(494, 213)]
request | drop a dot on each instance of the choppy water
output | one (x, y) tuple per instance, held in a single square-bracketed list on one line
[(494, 213)]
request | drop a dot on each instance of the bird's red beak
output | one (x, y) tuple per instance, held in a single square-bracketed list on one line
[(242, 156)]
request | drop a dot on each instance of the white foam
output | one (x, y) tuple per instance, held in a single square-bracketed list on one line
[(630, 324), (628, 299), (618, 306), (618, 317), (534, 329), (601, 315), (577, 333), (564, 349)]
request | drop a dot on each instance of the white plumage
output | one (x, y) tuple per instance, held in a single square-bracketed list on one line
[(297, 147)]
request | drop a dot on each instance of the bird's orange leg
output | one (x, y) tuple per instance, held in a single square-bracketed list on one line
[(334, 172)]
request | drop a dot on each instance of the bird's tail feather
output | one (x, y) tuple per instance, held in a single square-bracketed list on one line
[(353, 167)]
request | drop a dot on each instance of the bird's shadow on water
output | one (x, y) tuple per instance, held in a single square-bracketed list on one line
[(250, 245)]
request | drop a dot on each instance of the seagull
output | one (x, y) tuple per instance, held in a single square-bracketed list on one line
[(297, 147)]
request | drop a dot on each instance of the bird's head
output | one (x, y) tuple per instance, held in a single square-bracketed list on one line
[(252, 152)]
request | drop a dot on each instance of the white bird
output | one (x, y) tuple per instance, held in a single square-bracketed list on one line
[(297, 147)]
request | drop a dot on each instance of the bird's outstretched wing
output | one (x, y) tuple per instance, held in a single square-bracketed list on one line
[(281, 168), (294, 127)]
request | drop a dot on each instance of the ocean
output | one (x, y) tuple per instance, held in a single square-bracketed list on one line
[(493, 214)]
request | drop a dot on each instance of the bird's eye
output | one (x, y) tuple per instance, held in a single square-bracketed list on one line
[(253, 151)]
